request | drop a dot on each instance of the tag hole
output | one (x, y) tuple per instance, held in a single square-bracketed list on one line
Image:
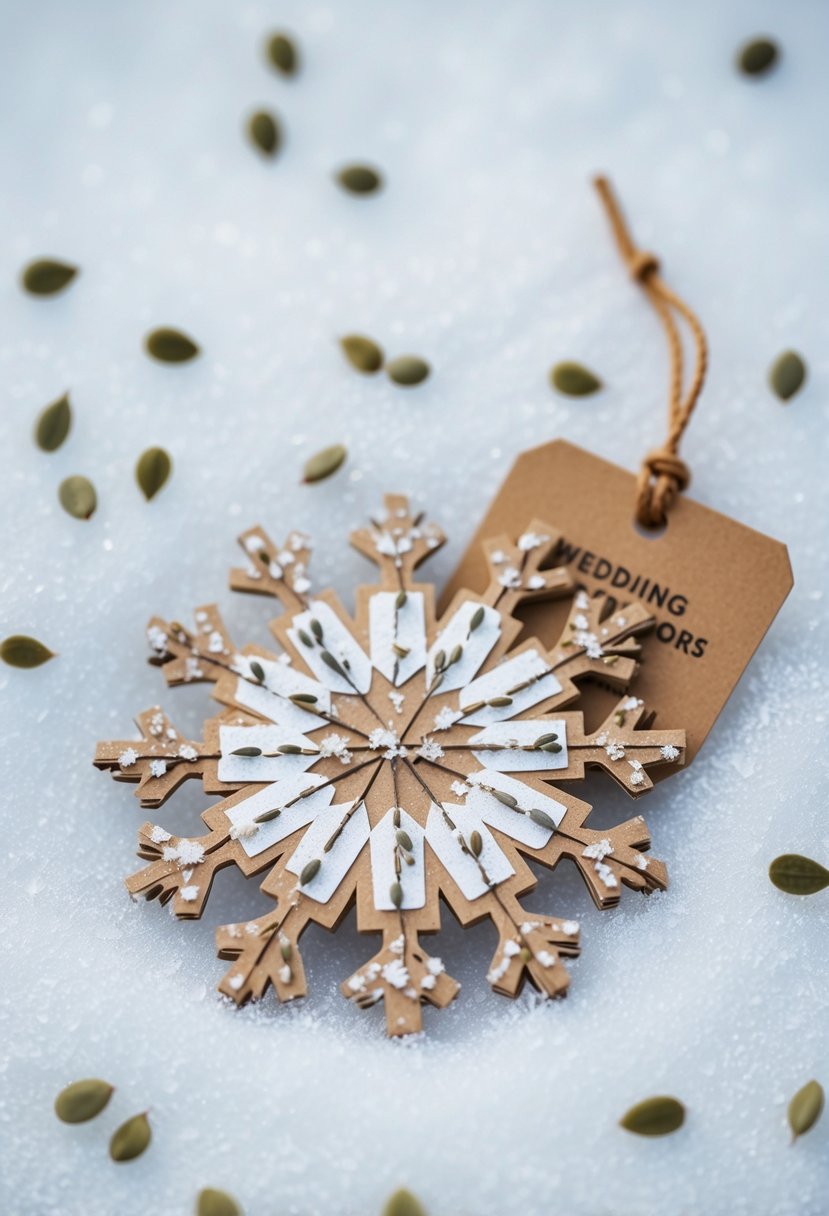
[(650, 533)]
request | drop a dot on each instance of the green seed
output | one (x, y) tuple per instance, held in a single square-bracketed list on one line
[(257, 671), (216, 1203), (324, 463), (77, 496), (654, 1117), (152, 470), (786, 374), (247, 751), (82, 1100), (170, 345), (286, 950), (805, 1108), (555, 748), (264, 132), (289, 749), (403, 1203), (440, 660), (19, 650), (396, 894), (329, 661), (542, 739), (798, 875), (506, 799), (401, 600), (400, 651), (305, 638), (574, 380), (499, 702), (53, 424), (542, 819), (131, 1138), (363, 354), (267, 816), (316, 629), (404, 839), (303, 698), (47, 276), (408, 370), (477, 619), (476, 843), (283, 54), (456, 655), (309, 871), (755, 58), (359, 179)]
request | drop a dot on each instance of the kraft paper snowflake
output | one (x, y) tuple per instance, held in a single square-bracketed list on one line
[(395, 757)]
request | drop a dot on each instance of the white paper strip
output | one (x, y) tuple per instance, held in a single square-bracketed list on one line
[(411, 634), (463, 868), (512, 823), (260, 768), (340, 857), (284, 680), (521, 733), (339, 642), (476, 646), (244, 813), (528, 665), (412, 877)]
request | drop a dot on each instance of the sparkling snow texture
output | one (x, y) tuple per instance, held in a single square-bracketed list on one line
[(487, 254)]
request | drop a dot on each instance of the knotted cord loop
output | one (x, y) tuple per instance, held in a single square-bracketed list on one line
[(663, 474)]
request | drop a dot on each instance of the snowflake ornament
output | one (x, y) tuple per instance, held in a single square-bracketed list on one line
[(394, 758)]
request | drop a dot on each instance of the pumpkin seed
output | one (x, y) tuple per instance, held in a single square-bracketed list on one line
[(309, 871), (305, 638), (53, 424), (170, 345), (289, 749), (499, 702), (786, 374), (82, 1100), (404, 839), (77, 496), (216, 1203), (542, 819), (477, 618), (131, 1138), (542, 739), (47, 276), (574, 380), (257, 671), (152, 471), (506, 799), (756, 57), (264, 132), (455, 655), (19, 650), (654, 1117), (363, 354), (805, 1108), (798, 875), (403, 1203), (316, 628), (359, 179), (440, 660), (400, 602), (555, 748), (283, 54), (408, 370), (286, 950), (303, 698), (396, 894), (247, 751), (476, 843), (324, 463)]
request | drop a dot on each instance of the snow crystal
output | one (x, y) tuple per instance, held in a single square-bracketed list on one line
[(396, 973), (669, 752), (158, 768), (335, 745), (430, 750), (128, 757), (188, 894), (531, 540)]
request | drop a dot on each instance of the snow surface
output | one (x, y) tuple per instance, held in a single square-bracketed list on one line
[(121, 147)]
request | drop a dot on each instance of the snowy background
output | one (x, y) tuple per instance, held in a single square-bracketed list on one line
[(122, 150)]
